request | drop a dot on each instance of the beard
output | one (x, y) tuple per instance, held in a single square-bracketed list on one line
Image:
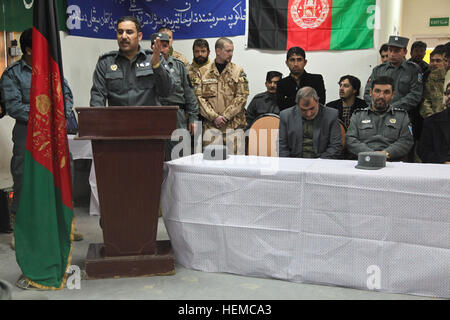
[(200, 60), (380, 104)]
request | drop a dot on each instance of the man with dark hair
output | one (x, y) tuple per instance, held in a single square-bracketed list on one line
[(309, 129), (384, 53), (15, 92), (434, 144), (173, 53), (182, 96), (222, 92), (434, 84), (200, 50), (418, 50), (380, 127), (298, 78), (130, 76), (265, 102), (348, 93)]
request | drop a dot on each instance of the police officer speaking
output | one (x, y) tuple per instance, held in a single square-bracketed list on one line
[(131, 76)]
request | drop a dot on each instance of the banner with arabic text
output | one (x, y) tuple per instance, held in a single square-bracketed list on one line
[(188, 19)]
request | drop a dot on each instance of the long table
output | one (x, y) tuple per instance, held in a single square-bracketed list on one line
[(314, 221)]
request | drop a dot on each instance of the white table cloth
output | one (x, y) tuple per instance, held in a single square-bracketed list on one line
[(316, 221)]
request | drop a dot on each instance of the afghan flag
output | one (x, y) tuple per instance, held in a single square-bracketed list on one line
[(311, 24), (45, 220)]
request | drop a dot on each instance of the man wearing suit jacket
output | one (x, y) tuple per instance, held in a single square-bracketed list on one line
[(298, 78), (309, 129)]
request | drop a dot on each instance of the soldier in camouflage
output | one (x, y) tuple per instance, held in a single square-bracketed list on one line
[(380, 127), (222, 92)]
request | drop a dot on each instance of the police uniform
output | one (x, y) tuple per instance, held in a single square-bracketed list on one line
[(433, 92), (389, 131), (223, 94), (122, 82), (261, 103), (182, 96), (15, 92), (179, 56)]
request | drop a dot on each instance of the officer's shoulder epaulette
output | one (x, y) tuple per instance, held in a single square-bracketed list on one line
[(412, 63), (110, 53), (259, 95), (15, 64)]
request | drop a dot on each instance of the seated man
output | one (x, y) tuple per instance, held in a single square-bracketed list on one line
[(380, 127), (309, 129), (265, 102), (434, 144), (348, 92)]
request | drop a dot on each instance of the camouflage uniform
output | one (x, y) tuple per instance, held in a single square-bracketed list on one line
[(372, 131), (433, 92), (223, 94), (194, 72)]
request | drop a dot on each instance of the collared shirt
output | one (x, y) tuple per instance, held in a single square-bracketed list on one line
[(183, 93), (15, 87), (261, 103), (374, 131), (121, 82), (408, 86)]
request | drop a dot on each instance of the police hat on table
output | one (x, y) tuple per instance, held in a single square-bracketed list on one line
[(397, 41), (215, 152), (371, 160), (162, 37)]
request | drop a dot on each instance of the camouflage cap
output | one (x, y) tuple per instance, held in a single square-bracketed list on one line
[(397, 41), (162, 37)]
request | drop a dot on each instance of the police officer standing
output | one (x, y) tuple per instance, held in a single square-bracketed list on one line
[(131, 76), (182, 96), (381, 126), (407, 78)]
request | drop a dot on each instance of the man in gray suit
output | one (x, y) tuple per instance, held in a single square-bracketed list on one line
[(309, 129)]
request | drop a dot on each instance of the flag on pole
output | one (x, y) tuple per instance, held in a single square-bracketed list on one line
[(44, 220), (311, 24)]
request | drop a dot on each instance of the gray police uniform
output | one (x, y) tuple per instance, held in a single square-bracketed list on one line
[(261, 103), (372, 131), (182, 96), (407, 84), (15, 92), (122, 82)]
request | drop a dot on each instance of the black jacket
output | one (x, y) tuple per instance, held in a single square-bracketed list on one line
[(337, 104), (434, 146), (287, 89)]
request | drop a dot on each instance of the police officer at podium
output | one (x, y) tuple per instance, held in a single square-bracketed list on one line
[(131, 76)]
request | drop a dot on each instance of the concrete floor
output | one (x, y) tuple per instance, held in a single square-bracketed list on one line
[(186, 284)]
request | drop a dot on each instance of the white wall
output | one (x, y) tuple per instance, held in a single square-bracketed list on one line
[(80, 56)]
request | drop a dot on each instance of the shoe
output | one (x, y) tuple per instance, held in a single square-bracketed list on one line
[(76, 236), (24, 283)]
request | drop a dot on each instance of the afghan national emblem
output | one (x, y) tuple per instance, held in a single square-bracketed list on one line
[(309, 14), (43, 104)]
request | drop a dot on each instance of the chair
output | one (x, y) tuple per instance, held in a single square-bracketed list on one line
[(344, 154), (263, 135)]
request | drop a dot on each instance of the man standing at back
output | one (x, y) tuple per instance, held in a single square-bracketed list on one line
[(173, 53), (222, 93), (130, 76), (298, 78)]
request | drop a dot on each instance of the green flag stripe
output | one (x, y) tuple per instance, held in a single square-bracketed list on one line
[(42, 221), (352, 24)]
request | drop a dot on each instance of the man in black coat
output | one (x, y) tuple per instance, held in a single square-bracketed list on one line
[(298, 78), (349, 87), (434, 144)]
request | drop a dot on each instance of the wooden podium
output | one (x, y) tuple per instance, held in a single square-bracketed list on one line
[(128, 145)]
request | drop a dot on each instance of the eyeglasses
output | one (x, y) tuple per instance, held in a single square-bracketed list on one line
[(447, 93)]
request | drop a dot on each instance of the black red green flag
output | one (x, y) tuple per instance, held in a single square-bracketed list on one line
[(44, 220), (311, 24)]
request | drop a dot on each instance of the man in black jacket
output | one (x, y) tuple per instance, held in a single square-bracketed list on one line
[(298, 78), (434, 144), (348, 93)]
